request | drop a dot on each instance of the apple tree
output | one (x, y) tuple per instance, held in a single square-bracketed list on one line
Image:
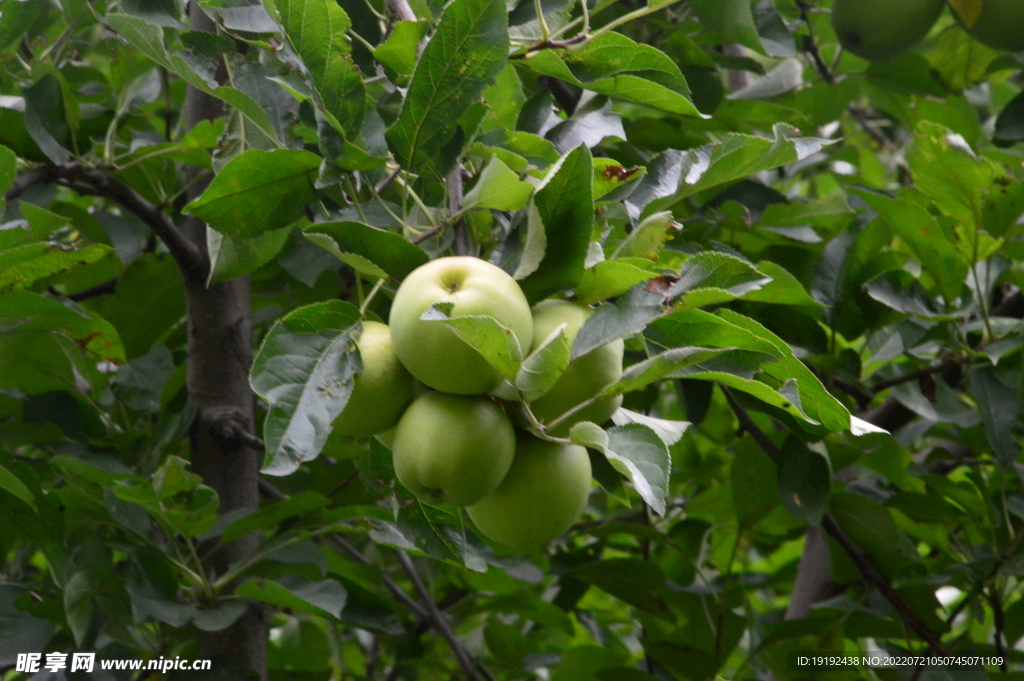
[(789, 230)]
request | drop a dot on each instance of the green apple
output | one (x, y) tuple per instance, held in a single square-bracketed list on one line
[(540, 498), (453, 449), (1000, 25), (880, 29), (430, 350), (382, 391), (584, 377)]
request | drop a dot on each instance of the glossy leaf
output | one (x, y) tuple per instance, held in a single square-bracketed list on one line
[(257, 191), (395, 256), (497, 188), (613, 278), (543, 367)]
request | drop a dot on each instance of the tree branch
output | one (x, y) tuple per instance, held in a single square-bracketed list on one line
[(941, 368), (472, 669), (191, 260), (828, 523), (90, 182)]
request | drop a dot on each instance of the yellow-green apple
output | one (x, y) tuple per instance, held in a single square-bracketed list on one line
[(430, 350), (382, 391), (452, 449), (540, 498), (1000, 25), (880, 29), (584, 377)]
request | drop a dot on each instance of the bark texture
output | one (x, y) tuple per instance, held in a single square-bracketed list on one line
[(219, 358)]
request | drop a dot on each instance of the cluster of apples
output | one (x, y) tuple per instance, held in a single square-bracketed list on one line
[(880, 29), (455, 443)]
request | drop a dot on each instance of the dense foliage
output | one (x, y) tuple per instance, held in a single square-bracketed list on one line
[(814, 261)]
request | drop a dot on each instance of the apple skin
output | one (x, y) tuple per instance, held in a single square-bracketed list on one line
[(540, 498), (453, 449), (880, 29), (430, 350), (584, 377), (1000, 25), (381, 393)]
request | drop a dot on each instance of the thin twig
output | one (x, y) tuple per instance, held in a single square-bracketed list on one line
[(462, 246), (811, 45), (869, 571), (941, 368), (191, 260), (473, 671), (433, 231), (550, 45), (396, 591)]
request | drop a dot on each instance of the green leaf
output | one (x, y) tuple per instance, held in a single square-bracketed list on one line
[(996, 392), (149, 40), (45, 118), (305, 370), (628, 315), (612, 181), (317, 29), (932, 246), (804, 479), (231, 258), (946, 169), (712, 277), (298, 594), (565, 206), (662, 365), (173, 477), (78, 609), (634, 450), (257, 191), (495, 343), (670, 431), (899, 290), (731, 19), (275, 514), (677, 174), (787, 383), (241, 15), (647, 240), (399, 51), (11, 483), (391, 252), (498, 188), (871, 527), (140, 383), (638, 582), (8, 170), (23, 265), (542, 369), (612, 278), (783, 289), (613, 65), (26, 312), (16, 18), (753, 493), (468, 49)]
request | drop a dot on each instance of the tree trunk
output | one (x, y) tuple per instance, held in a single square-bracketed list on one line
[(219, 358)]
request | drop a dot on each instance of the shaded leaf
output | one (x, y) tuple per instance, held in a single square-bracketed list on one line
[(634, 450), (565, 205), (468, 49), (305, 370)]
